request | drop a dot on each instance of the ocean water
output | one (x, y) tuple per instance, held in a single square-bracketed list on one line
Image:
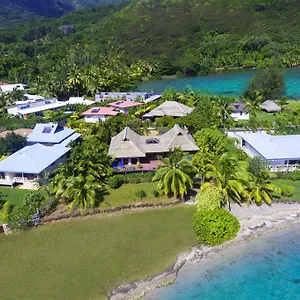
[(266, 268), (232, 83)]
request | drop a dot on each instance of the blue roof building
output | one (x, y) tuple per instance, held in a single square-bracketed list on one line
[(51, 134), (26, 164)]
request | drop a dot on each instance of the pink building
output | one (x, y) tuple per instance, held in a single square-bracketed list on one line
[(99, 114), (124, 106)]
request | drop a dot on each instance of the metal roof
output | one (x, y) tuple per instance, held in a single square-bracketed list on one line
[(32, 159), (49, 133), (273, 147)]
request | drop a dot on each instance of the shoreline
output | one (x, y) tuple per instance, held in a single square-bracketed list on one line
[(254, 221)]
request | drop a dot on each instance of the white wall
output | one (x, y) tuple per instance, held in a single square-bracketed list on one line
[(94, 119), (239, 116)]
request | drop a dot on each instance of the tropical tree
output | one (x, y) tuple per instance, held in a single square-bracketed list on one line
[(261, 188), (252, 100), (230, 176), (223, 108), (83, 192), (212, 143), (175, 176)]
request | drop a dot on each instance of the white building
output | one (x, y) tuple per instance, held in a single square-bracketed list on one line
[(239, 112), (79, 100), (7, 88), (282, 152), (35, 107), (126, 96)]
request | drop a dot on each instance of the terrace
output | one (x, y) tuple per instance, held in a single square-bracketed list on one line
[(128, 167)]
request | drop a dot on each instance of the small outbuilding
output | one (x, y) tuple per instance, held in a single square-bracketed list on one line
[(270, 106)]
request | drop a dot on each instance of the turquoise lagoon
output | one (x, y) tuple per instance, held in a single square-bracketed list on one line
[(232, 83), (266, 268)]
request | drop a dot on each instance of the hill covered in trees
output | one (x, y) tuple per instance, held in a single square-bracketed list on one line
[(13, 11), (166, 37)]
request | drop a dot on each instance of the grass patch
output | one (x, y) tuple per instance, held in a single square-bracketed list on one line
[(126, 194), (84, 259), (13, 195), (295, 184)]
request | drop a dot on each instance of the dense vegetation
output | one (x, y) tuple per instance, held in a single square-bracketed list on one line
[(197, 37), (214, 227)]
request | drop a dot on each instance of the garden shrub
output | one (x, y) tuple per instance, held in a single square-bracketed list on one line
[(141, 194), (208, 199), (287, 191), (214, 227), (295, 175), (155, 193), (138, 177), (115, 181)]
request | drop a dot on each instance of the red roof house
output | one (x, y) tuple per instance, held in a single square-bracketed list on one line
[(123, 106), (98, 114)]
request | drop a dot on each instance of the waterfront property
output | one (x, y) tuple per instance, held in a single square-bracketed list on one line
[(99, 114), (124, 106), (51, 134), (270, 106), (169, 108), (282, 152), (239, 111), (34, 107), (25, 165), (130, 148)]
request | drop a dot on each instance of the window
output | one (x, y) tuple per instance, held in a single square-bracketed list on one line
[(48, 102), (152, 141), (47, 129), (24, 106)]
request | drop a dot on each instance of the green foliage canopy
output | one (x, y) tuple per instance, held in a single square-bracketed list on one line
[(214, 227)]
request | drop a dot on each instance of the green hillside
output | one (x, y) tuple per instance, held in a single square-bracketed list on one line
[(166, 37)]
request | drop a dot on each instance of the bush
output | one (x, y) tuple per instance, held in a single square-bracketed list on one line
[(214, 227), (295, 175), (141, 194), (209, 199), (155, 193), (115, 181), (287, 191), (139, 177)]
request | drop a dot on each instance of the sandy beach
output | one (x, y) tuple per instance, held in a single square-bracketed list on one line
[(254, 221)]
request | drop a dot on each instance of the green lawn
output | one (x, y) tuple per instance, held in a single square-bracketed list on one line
[(84, 259), (126, 194), (14, 196), (295, 184)]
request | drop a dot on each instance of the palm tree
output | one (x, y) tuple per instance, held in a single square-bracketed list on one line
[(83, 192), (230, 176), (175, 175), (223, 109), (261, 188), (252, 101)]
